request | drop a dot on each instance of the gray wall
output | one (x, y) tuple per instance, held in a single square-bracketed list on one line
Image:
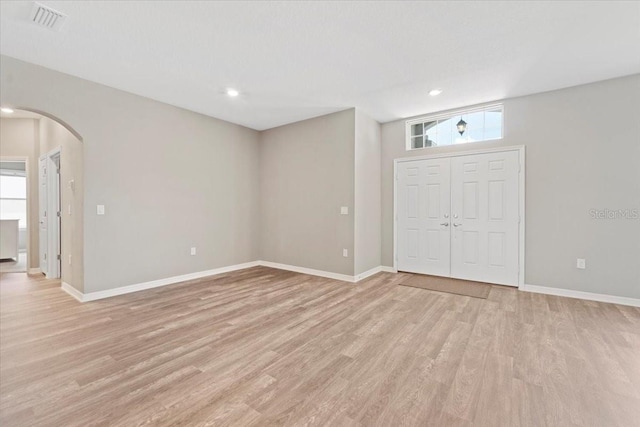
[(582, 153), (306, 175), (53, 135), (368, 183), (20, 138), (169, 178)]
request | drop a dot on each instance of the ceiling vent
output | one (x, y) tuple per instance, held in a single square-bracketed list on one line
[(46, 17)]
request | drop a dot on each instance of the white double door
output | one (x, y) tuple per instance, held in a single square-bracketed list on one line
[(459, 217)]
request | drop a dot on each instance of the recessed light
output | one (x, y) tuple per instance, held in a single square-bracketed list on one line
[(435, 92), (232, 92), (6, 110)]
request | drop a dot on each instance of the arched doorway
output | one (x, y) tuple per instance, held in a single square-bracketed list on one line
[(53, 153)]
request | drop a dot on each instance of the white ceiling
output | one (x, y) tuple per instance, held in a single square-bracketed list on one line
[(295, 60)]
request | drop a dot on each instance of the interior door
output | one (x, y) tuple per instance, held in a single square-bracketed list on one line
[(42, 214), (55, 242), (423, 230), (485, 217)]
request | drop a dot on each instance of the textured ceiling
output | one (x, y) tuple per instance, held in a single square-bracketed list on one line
[(295, 60)]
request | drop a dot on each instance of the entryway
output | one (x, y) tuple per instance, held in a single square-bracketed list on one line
[(53, 155), (14, 236), (461, 215)]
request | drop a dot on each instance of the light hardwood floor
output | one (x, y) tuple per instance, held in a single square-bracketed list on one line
[(263, 347)]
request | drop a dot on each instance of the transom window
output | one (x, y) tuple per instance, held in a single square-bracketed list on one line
[(480, 124)]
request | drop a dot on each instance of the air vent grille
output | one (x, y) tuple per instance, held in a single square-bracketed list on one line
[(46, 17)]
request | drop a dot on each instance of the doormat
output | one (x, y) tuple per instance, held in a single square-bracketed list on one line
[(446, 284)]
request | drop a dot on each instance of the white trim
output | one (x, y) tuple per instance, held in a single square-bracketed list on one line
[(25, 159), (521, 186), (311, 271), (73, 292), (634, 302), (92, 296), (523, 210), (368, 273), (35, 271), (461, 153), (451, 114), (53, 205), (457, 112)]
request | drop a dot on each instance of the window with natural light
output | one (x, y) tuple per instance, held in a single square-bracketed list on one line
[(461, 127), (13, 198)]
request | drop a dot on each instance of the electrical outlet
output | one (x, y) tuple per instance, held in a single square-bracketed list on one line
[(344, 210), (345, 253), (581, 264), (193, 251), (100, 209)]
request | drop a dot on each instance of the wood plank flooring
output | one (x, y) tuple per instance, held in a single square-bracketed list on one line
[(263, 347)]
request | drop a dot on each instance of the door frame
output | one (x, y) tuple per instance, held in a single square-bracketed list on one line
[(54, 226), (520, 149), (24, 159)]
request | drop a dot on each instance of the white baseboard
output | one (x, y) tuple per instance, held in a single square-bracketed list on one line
[(73, 291), (367, 273), (634, 302), (35, 271), (92, 296), (311, 271)]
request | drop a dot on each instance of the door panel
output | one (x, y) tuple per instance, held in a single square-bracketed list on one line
[(485, 216), (423, 201)]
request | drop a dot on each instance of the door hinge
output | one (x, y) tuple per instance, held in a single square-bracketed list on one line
[(58, 257), (59, 214)]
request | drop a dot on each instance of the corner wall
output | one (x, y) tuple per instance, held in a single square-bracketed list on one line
[(306, 175), (368, 181), (170, 179)]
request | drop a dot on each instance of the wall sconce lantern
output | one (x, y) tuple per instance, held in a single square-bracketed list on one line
[(462, 126)]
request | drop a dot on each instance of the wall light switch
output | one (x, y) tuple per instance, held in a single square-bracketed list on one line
[(344, 210), (69, 259), (193, 251), (100, 209), (345, 253), (581, 264)]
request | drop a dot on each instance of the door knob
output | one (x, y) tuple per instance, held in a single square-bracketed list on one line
[(446, 224), (446, 215), (456, 225)]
